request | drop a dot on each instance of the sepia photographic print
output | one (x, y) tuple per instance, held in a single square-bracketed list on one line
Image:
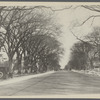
[(49, 50)]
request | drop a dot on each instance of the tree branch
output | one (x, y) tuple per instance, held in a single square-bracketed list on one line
[(93, 16)]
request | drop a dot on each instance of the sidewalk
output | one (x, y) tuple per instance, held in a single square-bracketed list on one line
[(22, 78), (89, 72)]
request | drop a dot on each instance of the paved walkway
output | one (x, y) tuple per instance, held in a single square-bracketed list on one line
[(22, 78)]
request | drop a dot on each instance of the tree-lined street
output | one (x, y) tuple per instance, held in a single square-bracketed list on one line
[(60, 82), (49, 50)]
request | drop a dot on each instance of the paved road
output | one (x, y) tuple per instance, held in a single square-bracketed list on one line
[(61, 82)]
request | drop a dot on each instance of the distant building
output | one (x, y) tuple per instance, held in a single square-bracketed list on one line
[(96, 64), (3, 55)]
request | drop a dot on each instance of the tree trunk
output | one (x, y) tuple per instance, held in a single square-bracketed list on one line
[(19, 59), (91, 64), (19, 67), (31, 68), (10, 67)]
